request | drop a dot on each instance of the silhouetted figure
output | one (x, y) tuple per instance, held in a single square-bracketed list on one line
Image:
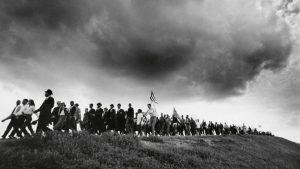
[(45, 112), (99, 120), (92, 118), (111, 115), (193, 127), (130, 119), (120, 119)]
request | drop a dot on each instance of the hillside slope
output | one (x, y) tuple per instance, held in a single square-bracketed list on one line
[(115, 151)]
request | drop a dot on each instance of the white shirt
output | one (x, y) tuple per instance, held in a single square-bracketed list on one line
[(17, 109), (62, 111), (198, 124), (22, 109), (152, 112), (29, 110), (139, 118)]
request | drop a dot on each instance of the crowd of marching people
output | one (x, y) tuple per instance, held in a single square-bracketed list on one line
[(97, 120)]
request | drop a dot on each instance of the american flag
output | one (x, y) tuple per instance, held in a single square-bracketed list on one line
[(152, 98)]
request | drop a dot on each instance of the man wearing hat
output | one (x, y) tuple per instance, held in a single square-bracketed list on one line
[(99, 120), (45, 112), (92, 117), (111, 115)]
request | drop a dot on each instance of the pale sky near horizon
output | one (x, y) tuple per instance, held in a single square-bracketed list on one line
[(216, 60)]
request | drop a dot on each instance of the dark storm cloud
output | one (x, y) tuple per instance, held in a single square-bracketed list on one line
[(215, 45), (210, 46), (47, 14)]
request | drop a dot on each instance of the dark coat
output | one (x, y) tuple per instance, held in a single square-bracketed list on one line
[(72, 111), (120, 120), (55, 115), (99, 120), (130, 113), (45, 110), (111, 115)]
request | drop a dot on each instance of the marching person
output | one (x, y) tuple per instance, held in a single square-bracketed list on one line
[(20, 119), (30, 108), (120, 120), (45, 112), (105, 117), (139, 122), (111, 115), (12, 119), (98, 119), (71, 121), (55, 113), (152, 111), (62, 112), (92, 118), (86, 124), (168, 122), (187, 125), (130, 119), (77, 115)]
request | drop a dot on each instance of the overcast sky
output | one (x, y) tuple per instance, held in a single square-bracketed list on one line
[(229, 61)]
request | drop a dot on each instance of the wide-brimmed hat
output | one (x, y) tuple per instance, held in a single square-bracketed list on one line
[(49, 91)]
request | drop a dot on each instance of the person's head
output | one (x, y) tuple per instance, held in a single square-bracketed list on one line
[(86, 110), (119, 106), (63, 104), (18, 102), (91, 105), (149, 106), (161, 114), (187, 116), (76, 105), (48, 93), (129, 105), (99, 105), (112, 106), (58, 103), (168, 116), (25, 101), (31, 102), (139, 110), (72, 103), (105, 109)]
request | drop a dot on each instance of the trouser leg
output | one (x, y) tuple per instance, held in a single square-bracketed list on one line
[(153, 123), (8, 128)]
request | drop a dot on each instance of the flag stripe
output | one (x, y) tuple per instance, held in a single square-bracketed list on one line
[(152, 97)]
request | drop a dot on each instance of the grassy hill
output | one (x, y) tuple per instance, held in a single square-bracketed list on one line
[(114, 151)]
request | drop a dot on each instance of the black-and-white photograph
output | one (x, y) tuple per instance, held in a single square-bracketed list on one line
[(150, 84)]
